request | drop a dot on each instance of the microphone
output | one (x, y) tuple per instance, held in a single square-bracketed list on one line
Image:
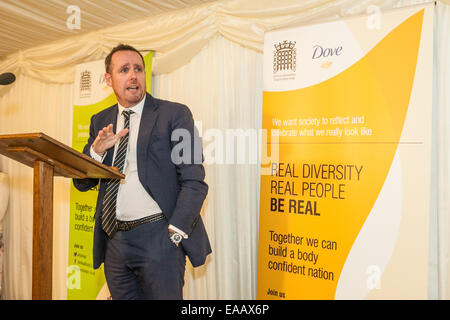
[(7, 78)]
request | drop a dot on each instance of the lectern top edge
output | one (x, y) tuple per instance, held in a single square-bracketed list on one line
[(68, 162)]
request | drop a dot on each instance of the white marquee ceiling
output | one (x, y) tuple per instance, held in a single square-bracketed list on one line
[(28, 23)]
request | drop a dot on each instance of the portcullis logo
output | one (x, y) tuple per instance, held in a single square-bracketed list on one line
[(285, 60), (85, 84)]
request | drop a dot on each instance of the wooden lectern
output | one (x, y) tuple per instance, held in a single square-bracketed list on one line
[(49, 158)]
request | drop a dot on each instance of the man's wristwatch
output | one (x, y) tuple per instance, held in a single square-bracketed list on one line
[(175, 237)]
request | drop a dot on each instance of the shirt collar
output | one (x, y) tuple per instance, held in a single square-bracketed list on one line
[(136, 108)]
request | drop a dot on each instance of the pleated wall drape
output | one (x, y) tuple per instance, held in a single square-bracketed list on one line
[(209, 58), (34, 106), (223, 87), (441, 141)]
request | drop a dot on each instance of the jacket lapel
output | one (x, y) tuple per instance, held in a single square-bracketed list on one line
[(111, 117), (148, 119)]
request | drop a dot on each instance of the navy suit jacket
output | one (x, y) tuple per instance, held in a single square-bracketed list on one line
[(176, 185)]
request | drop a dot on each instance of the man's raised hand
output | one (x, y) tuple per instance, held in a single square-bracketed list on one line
[(106, 139)]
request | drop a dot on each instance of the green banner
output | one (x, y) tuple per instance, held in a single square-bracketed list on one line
[(91, 96)]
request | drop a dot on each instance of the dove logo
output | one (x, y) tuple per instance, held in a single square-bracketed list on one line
[(321, 52)]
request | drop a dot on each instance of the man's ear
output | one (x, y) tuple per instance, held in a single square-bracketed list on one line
[(108, 79)]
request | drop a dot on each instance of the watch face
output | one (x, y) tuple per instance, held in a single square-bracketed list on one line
[(176, 237)]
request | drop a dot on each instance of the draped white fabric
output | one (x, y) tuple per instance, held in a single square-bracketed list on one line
[(28, 23), (442, 143), (223, 87), (33, 106), (178, 36), (210, 58)]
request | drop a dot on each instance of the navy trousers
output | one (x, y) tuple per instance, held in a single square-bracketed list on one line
[(143, 263)]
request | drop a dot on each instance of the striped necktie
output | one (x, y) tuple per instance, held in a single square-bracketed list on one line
[(109, 222)]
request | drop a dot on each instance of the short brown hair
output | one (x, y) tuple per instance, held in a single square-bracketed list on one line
[(120, 47)]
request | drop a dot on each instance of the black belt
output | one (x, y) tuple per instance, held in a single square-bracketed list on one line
[(128, 225)]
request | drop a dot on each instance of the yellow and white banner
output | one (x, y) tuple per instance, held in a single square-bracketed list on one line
[(344, 211)]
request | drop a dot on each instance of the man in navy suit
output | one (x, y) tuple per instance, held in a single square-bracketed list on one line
[(156, 208)]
